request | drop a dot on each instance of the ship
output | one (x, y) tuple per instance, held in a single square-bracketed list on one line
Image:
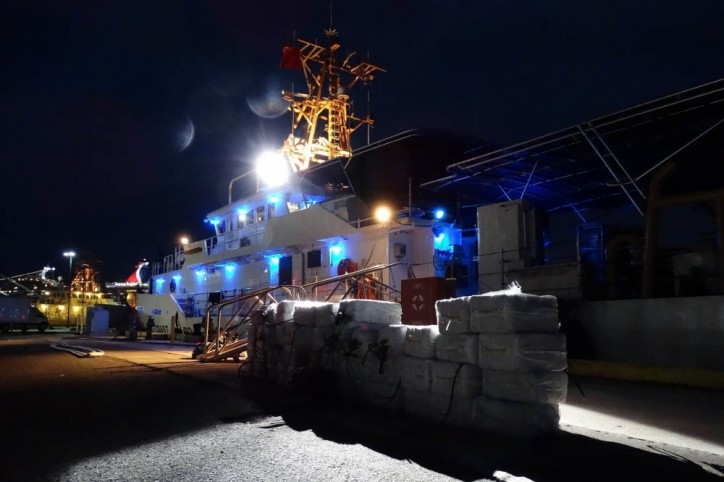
[(65, 304), (314, 218), (578, 213)]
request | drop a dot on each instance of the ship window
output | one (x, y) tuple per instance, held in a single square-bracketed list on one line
[(250, 217), (271, 210), (260, 214), (314, 258), (292, 207)]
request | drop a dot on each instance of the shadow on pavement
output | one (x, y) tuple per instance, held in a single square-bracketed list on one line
[(465, 454)]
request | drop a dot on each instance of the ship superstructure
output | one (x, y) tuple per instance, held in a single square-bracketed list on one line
[(308, 223)]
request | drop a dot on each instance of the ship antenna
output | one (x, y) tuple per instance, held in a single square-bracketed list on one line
[(369, 126)]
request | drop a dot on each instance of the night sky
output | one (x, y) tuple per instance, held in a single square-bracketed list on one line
[(98, 98)]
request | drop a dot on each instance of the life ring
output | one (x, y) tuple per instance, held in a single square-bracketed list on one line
[(346, 266)]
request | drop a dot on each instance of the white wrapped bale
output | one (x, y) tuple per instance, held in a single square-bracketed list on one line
[(523, 351), (416, 374), (458, 348), (326, 316), (511, 313), (289, 330), (393, 336), (462, 381), (294, 359), (273, 334), (523, 386), (453, 315), (366, 334), (284, 311), (371, 370), (514, 418), (351, 388), (388, 372), (388, 397), (420, 341), (356, 339), (305, 338), (255, 333), (417, 403), (307, 313), (437, 408), (372, 311)]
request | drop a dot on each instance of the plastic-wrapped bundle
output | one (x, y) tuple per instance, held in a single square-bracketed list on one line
[(523, 351), (466, 380), (351, 388), (313, 313), (416, 373), (289, 330), (453, 315), (508, 313), (420, 341), (284, 311), (393, 337), (514, 418), (458, 348), (388, 397), (371, 369), (273, 334), (366, 334), (372, 311), (524, 386), (255, 333), (437, 408), (304, 338)]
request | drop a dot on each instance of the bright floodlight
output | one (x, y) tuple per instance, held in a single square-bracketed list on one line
[(383, 214), (439, 213), (272, 169), (69, 254), (184, 240)]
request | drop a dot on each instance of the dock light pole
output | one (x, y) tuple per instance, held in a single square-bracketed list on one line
[(69, 255)]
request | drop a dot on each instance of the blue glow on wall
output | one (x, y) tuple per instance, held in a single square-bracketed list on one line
[(177, 277), (274, 269), (336, 253), (229, 269)]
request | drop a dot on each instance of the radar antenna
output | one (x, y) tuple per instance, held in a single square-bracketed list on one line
[(326, 102)]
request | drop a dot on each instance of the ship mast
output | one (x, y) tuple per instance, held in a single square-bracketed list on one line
[(325, 103)]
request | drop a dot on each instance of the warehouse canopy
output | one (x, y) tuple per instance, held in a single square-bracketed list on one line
[(605, 162)]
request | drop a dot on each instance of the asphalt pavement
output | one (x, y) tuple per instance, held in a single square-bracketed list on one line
[(148, 411)]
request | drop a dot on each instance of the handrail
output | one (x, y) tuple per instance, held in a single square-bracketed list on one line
[(232, 345), (258, 297), (351, 274)]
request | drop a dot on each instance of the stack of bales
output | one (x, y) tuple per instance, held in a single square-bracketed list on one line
[(496, 362), (513, 340), (524, 360), (441, 377), (368, 361), (290, 336)]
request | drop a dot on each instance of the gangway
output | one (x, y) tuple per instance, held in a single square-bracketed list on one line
[(226, 337)]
